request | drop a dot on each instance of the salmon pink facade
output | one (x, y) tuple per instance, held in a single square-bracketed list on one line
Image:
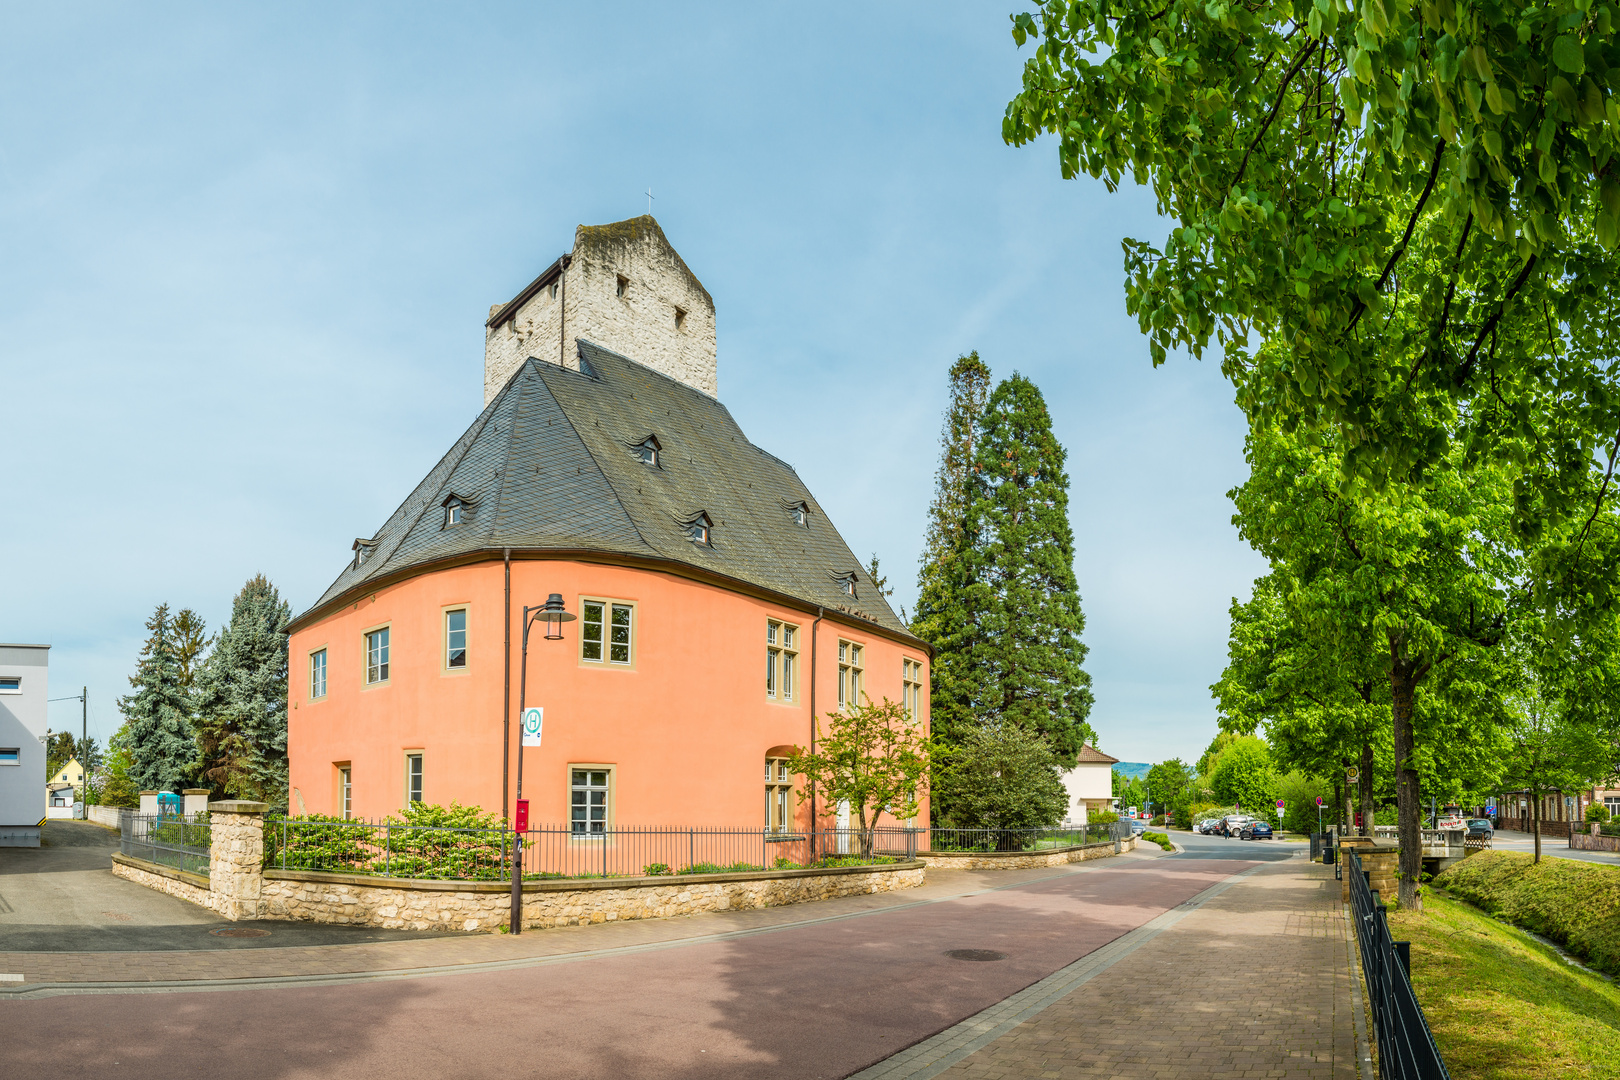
[(684, 727)]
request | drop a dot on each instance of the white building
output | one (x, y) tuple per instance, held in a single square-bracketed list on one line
[(23, 692), (1090, 784)]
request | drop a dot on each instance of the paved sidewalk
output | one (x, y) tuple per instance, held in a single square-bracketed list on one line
[(1255, 981), (433, 953)]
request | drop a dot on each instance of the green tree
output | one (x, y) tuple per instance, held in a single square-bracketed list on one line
[(1324, 166), (1246, 778), (190, 642), (1169, 785), (1002, 776), (1026, 652), (159, 739), (871, 759), (112, 781), (942, 618), (58, 749), (241, 699)]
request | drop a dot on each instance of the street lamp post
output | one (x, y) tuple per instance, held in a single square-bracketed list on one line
[(554, 615)]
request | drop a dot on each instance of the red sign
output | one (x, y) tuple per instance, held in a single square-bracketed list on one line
[(522, 823)]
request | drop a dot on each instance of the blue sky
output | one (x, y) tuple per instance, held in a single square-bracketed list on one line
[(249, 253)]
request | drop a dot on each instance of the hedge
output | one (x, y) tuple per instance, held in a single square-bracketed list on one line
[(1576, 904)]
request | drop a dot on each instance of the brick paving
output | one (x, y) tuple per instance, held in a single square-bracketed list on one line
[(484, 950), (1253, 983)]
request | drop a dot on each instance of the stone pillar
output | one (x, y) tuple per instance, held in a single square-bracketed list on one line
[(149, 803), (236, 858), (196, 800)]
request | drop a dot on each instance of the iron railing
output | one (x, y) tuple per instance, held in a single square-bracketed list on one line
[(167, 839), (1406, 1049), (396, 849)]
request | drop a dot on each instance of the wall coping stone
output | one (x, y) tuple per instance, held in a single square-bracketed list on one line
[(160, 870), (238, 806), (196, 791), (372, 881)]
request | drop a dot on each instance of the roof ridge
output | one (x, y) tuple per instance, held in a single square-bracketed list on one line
[(498, 498)]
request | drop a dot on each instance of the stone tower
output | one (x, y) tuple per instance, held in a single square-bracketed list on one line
[(623, 287)]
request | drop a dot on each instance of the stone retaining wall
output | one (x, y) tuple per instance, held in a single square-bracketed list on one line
[(1021, 860), (396, 903), (165, 879), (1594, 841)]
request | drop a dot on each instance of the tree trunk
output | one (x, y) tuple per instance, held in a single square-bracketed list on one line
[(1402, 685), (1367, 813), (1535, 821)]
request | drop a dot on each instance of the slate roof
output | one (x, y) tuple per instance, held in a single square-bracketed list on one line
[(551, 464)]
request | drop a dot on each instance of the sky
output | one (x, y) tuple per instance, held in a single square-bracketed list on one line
[(249, 251)]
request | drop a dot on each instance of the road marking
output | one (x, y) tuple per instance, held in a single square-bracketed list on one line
[(934, 1055)]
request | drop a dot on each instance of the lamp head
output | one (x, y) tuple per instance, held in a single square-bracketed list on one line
[(555, 615)]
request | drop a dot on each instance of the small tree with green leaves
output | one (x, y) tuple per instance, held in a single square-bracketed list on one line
[(872, 759), (1002, 777)]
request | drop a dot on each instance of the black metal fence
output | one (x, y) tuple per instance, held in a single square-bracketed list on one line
[(167, 839), (395, 849), (398, 849), (1406, 1049)]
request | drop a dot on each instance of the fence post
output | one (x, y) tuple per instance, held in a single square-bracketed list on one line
[(236, 858)]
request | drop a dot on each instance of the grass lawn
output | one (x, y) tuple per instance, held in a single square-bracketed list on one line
[(1500, 1003)]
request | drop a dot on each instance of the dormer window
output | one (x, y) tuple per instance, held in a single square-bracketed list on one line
[(801, 515), (700, 530), (846, 584), (647, 450), (363, 550), (456, 509)]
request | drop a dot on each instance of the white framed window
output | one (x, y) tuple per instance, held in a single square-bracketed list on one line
[(851, 669), (700, 530), (10, 755), (607, 631), (452, 513), (1610, 802), (801, 514), (911, 687), (377, 656), (455, 638), (317, 674), (413, 776), (346, 791), (10, 684), (589, 787), (778, 796), (647, 451), (781, 659)]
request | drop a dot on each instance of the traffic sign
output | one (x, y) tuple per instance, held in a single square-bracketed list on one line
[(1279, 804), (1319, 800), (534, 721)]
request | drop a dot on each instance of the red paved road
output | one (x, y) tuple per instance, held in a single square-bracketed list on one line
[(805, 1001)]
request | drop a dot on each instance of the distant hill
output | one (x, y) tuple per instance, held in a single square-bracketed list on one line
[(1135, 770)]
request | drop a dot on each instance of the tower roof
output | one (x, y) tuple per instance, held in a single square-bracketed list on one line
[(555, 464)]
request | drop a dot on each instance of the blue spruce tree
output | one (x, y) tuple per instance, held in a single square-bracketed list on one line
[(241, 699), (157, 725)]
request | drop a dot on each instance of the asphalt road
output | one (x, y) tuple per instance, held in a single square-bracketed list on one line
[(816, 1000), (1551, 846), (1197, 846), (63, 897)]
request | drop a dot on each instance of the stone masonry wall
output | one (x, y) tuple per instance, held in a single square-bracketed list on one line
[(236, 858), (641, 324), (419, 905), (990, 860), (171, 882)]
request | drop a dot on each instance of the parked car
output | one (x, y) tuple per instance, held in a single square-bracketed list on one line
[(1231, 823), (1138, 826), (1254, 830), (1480, 829)]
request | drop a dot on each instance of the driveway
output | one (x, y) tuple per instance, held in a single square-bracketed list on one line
[(63, 897)]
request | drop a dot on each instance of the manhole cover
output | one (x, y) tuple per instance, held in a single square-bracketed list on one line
[(975, 954), (239, 931)]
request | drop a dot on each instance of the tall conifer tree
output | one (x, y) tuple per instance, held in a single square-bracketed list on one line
[(1026, 652), (942, 619), (241, 699), (158, 730)]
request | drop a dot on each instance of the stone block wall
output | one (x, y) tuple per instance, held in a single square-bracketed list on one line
[(165, 879), (664, 318), (443, 905), (1020, 860)]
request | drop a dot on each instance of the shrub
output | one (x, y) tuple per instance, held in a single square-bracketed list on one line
[(1101, 817), (1158, 819), (1597, 812), (1159, 838), (656, 869), (1575, 903)]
